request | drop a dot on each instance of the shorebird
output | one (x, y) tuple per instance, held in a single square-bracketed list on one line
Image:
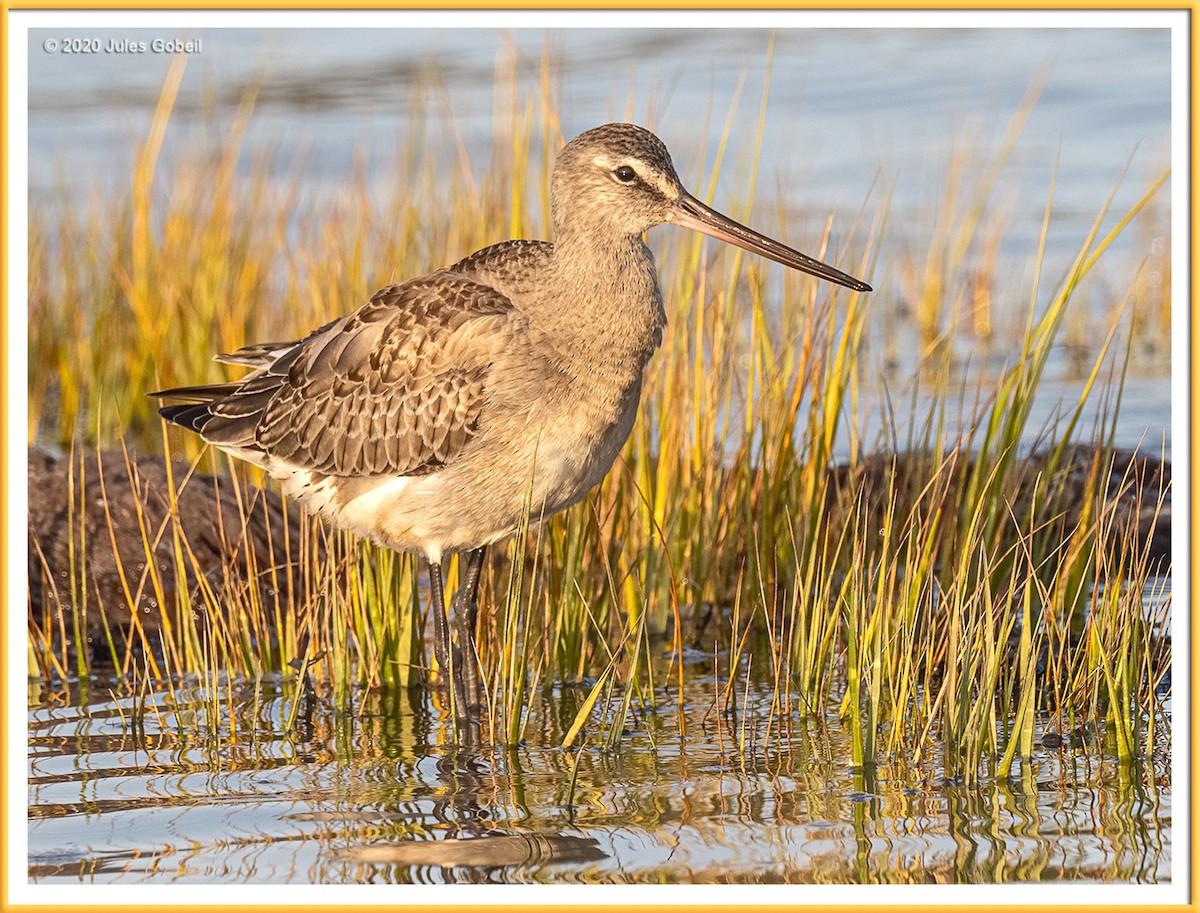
[(451, 409)]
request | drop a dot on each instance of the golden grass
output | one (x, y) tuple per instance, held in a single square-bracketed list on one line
[(950, 600)]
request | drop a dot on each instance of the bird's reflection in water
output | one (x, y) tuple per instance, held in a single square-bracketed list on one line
[(451, 829), (475, 845), (483, 852)]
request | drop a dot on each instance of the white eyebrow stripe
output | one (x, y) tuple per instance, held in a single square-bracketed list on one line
[(607, 161), (646, 173)]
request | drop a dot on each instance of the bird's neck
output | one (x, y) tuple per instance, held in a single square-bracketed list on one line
[(606, 309)]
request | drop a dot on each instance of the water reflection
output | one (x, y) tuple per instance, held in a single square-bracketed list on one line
[(377, 793)]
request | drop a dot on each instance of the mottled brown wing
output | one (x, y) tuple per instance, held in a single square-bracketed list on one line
[(395, 388)]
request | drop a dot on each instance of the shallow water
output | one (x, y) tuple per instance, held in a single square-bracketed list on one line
[(860, 117), (375, 794), (846, 107)]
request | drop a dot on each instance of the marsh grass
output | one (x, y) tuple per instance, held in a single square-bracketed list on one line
[(936, 590)]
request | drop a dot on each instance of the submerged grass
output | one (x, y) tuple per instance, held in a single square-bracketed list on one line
[(940, 588)]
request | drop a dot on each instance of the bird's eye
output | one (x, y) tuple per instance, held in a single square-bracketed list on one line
[(625, 174)]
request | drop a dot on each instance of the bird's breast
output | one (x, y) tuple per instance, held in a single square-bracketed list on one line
[(575, 447)]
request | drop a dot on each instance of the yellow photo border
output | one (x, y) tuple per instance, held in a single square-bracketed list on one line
[(7, 679)]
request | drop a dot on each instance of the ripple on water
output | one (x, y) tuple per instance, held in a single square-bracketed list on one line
[(181, 804)]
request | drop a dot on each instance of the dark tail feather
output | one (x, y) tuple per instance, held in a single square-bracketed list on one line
[(223, 414), (195, 411), (189, 416)]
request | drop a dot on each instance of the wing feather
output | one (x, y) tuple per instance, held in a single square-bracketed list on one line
[(397, 387)]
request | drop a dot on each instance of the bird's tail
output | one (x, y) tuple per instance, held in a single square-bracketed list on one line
[(195, 410)]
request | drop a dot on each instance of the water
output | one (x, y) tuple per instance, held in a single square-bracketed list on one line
[(376, 795), (845, 104), (854, 117)]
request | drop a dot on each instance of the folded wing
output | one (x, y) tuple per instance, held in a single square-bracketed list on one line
[(399, 387)]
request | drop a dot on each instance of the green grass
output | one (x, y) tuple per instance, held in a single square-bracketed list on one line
[(941, 591)]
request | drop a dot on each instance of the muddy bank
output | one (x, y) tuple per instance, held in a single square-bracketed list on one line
[(241, 536), (1132, 489), (114, 519)]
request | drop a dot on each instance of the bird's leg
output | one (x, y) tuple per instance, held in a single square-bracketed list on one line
[(441, 635), (466, 614)]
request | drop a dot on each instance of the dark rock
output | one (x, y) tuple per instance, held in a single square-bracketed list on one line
[(1131, 488), (122, 513)]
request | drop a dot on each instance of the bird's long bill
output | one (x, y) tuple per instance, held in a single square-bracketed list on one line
[(691, 213)]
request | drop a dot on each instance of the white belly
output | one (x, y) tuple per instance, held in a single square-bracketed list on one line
[(478, 499)]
